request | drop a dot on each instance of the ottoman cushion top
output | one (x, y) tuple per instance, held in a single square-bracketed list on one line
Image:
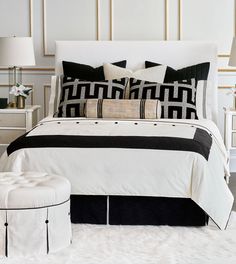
[(32, 190)]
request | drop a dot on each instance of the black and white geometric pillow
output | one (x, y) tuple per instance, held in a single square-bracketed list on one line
[(178, 99), (74, 93)]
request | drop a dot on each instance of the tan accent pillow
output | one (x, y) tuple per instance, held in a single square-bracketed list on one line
[(123, 109)]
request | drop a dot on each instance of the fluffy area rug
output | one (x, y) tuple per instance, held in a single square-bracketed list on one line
[(94, 244)]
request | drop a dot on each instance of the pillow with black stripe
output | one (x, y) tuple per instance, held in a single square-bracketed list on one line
[(199, 72), (74, 93), (178, 99), (87, 72)]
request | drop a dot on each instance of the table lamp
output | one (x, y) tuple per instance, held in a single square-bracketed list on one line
[(16, 52)]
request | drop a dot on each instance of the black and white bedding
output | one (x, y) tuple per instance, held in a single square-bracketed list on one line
[(178, 99), (150, 158)]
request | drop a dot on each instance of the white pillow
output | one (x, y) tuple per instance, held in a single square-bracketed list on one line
[(204, 100), (153, 74)]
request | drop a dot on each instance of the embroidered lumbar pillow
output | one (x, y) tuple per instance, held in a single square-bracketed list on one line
[(123, 109)]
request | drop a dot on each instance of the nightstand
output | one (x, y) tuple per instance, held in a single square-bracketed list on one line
[(15, 122), (230, 129)]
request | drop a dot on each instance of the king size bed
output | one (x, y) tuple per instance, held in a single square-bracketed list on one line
[(134, 171)]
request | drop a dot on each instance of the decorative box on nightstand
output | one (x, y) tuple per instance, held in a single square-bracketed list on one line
[(15, 122), (230, 129)]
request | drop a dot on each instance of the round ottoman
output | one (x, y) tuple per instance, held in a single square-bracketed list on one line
[(34, 213)]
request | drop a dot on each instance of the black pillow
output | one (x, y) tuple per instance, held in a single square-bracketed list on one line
[(199, 72), (86, 72)]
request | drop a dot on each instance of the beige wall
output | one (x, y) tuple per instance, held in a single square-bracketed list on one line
[(49, 20)]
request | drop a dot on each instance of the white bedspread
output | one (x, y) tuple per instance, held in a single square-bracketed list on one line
[(143, 172)]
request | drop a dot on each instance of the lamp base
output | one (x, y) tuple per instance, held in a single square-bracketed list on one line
[(15, 76)]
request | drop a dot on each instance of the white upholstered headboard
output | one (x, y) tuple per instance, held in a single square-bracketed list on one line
[(176, 54)]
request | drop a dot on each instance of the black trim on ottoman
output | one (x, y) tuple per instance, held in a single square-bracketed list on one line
[(136, 210)]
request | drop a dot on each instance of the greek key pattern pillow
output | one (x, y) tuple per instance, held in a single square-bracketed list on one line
[(74, 93), (178, 99)]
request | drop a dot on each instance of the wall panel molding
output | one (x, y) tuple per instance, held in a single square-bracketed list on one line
[(46, 88), (226, 86), (180, 19), (220, 55), (45, 21), (31, 17), (226, 70), (98, 18), (11, 16), (43, 69), (165, 22), (111, 19)]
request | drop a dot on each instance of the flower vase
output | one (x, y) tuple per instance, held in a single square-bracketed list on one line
[(20, 102)]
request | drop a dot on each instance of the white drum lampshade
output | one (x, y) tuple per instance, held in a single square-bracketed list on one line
[(232, 58), (16, 51)]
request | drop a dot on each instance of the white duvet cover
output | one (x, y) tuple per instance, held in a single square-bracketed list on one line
[(131, 171)]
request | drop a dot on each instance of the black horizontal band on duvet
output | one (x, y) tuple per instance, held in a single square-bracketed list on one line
[(201, 142)]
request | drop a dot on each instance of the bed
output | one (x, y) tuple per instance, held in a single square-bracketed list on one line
[(165, 171)]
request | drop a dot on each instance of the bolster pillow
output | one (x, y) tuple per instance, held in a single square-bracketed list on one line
[(123, 109)]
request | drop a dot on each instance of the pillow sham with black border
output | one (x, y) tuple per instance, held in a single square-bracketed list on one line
[(87, 72), (178, 99), (199, 72), (74, 93)]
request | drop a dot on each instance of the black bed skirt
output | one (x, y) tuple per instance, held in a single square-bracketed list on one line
[(136, 210)]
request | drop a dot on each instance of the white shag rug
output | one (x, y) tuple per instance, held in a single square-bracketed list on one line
[(95, 244)]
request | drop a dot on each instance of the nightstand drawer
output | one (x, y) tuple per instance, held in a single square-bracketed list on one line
[(7, 135), (234, 122), (12, 120)]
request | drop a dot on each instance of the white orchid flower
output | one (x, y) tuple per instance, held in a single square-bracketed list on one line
[(20, 90)]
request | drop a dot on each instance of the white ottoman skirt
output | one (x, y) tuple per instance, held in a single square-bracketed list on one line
[(34, 213)]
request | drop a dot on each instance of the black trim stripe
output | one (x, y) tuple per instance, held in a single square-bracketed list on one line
[(33, 208), (203, 137), (47, 235), (201, 142), (142, 108), (6, 236), (99, 108)]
